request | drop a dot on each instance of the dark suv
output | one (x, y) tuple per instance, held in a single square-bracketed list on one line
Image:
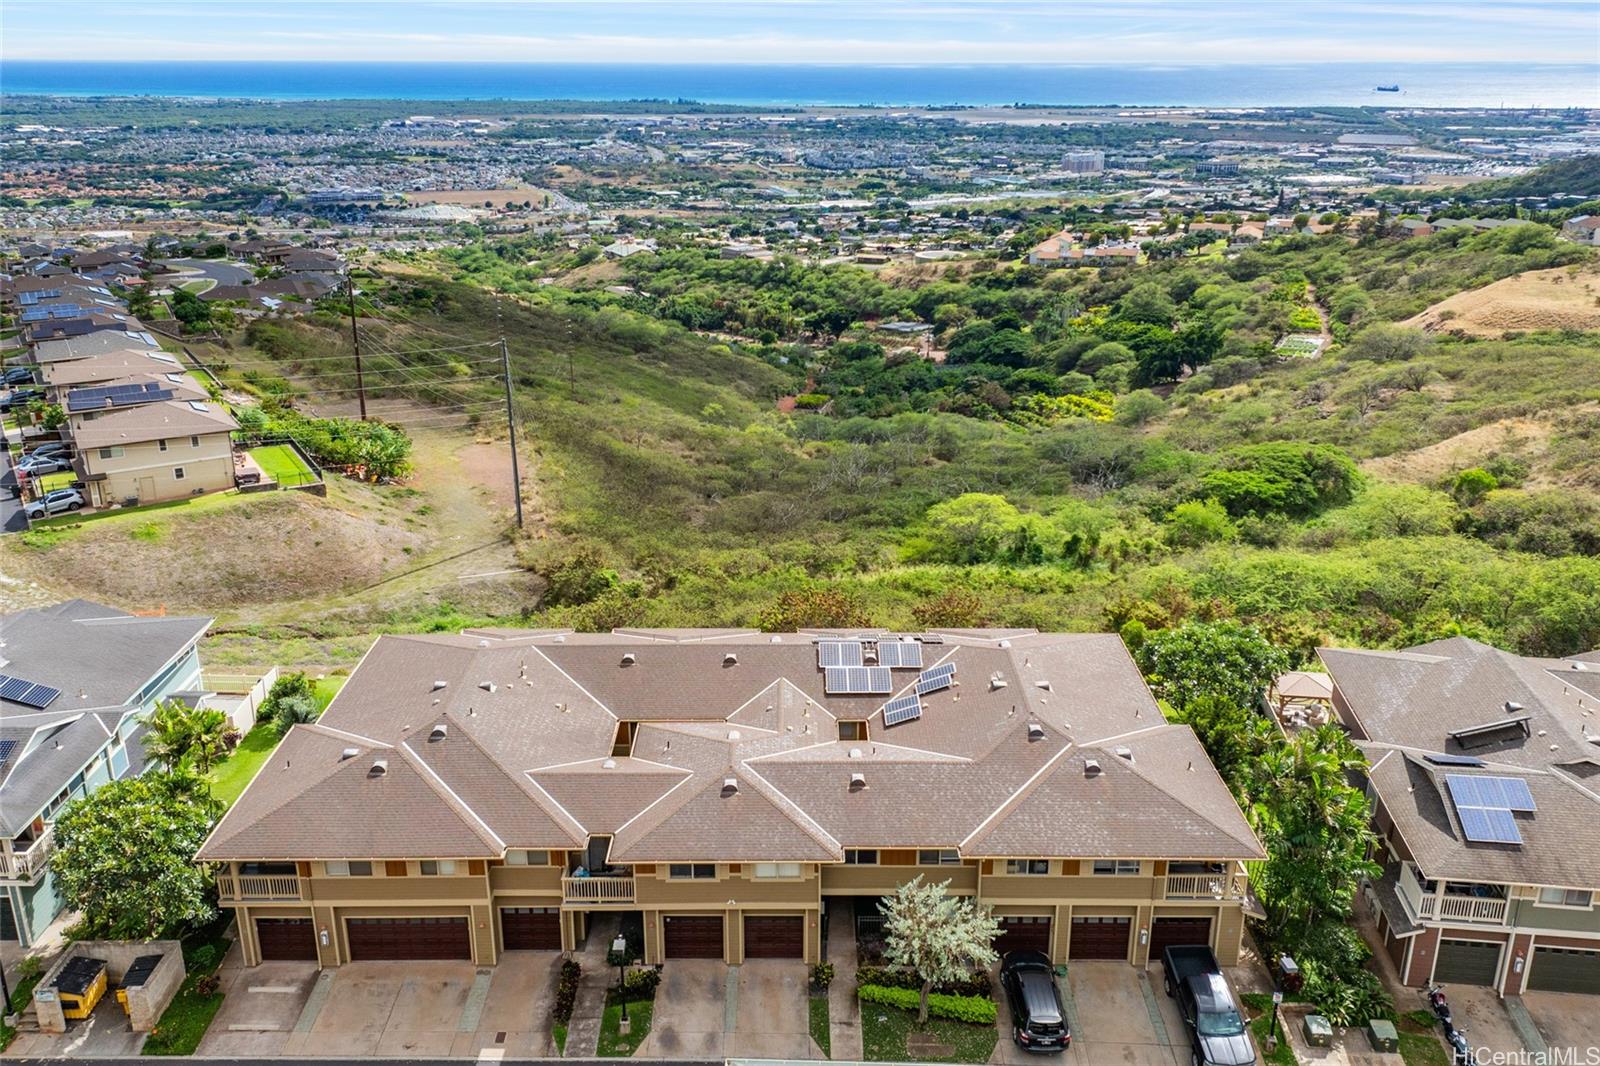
[(1038, 1021)]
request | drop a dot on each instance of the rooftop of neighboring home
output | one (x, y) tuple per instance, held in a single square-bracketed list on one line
[(92, 344), (1439, 719), (110, 366), (161, 420), (1018, 744), (71, 673)]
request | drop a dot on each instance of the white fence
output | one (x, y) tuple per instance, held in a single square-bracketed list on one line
[(250, 691)]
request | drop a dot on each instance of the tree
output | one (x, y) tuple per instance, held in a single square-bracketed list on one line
[(125, 855), (293, 711), (1232, 733), (937, 936), (813, 608), (971, 527), (1196, 522), (1139, 408), (1224, 659), (1385, 343), (184, 735), (190, 309)]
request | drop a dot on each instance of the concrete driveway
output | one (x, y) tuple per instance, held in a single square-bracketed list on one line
[(772, 1019), (1483, 1016), (691, 1012), (1118, 1014), (1565, 1020), (260, 1008)]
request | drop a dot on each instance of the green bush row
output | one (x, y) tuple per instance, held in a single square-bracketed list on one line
[(972, 1009)]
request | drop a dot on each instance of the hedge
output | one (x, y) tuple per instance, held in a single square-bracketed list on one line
[(567, 991), (976, 983), (975, 1010)]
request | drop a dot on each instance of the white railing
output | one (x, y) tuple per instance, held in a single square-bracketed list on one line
[(252, 886), (597, 889), (1230, 884), (1410, 891), (1473, 909), (25, 864)]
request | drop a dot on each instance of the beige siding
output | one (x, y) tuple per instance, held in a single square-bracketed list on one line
[(840, 880), (145, 472), (663, 892), (1051, 887), (528, 879)]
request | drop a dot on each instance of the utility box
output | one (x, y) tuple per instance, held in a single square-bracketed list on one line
[(1382, 1036), (1318, 1032)]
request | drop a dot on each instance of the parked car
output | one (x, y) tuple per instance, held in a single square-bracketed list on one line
[(38, 465), (1217, 1033), (54, 447), (20, 398), (55, 502), (17, 375), (1038, 1020)]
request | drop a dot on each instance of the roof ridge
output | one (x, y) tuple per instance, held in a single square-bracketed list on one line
[(1010, 802), (284, 796), (1139, 772), (479, 827), (779, 800)]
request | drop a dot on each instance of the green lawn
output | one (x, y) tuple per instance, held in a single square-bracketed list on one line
[(326, 688), (558, 1032), (21, 997), (188, 1016), (1420, 1044), (215, 499), (884, 1031), (820, 1031), (61, 479), (1259, 1006), (280, 463), (614, 1044), (229, 779)]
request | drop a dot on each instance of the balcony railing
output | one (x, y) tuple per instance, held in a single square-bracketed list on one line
[(1425, 905), (257, 887), (597, 889), (25, 862), (1230, 884)]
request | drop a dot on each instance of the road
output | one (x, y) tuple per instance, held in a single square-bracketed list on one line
[(218, 270), (369, 1061), (12, 520)]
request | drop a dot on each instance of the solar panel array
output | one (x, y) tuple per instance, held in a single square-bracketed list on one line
[(839, 653), (28, 299), (42, 314), (939, 677), (902, 709), (1484, 805), (93, 399), (21, 690), (902, 654), (857, 680), (1453, 760), (6, 748)]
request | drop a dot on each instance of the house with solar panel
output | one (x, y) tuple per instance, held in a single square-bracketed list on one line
[(149, 438), (1485, 781), (731, 794), (74, 680)]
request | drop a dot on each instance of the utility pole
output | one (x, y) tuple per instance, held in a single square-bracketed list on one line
[(355, 339), (511, 427)]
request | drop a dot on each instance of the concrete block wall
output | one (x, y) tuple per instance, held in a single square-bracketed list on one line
[(146, 1003)]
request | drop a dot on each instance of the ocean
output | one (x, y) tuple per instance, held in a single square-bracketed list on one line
[(1263, 85)]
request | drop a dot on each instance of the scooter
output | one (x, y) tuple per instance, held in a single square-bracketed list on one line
[(1440, 1005), (1460, 1050)]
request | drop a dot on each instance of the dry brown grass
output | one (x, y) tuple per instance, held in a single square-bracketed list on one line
[(1524, 437), (1561, 298)]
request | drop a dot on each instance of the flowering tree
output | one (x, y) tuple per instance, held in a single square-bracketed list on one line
[(937, 936)]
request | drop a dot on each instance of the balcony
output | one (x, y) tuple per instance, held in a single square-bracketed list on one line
[(1434, 905), (27, 858), (597, 890), (1231, 883), (260, 889)]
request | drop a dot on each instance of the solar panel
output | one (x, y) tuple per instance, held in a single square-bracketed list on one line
[(100, 396), (40, 696), (1506, 793), (901, 709), (839, 653), (1453, 760), (939, 677), (857, 680), (12, 687), (1489, 825), (6, 748), (903, 654)]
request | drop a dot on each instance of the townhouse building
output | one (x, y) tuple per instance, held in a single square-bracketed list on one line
[(468, 795), (1485, 781), (75, 679)]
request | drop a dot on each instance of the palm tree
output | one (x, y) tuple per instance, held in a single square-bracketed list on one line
[(183, 735)]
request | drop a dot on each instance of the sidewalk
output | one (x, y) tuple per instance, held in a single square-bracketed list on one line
[(583, 1031), (844, 1010)]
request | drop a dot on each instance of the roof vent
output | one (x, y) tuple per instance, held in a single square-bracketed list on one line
[(349, 753), (1124, 752), (629, 659), (437, 685), (379, 768), (483, 642), (730, 785), (730, 659), (440, 731), (609, 764), (1512, 706), (858, 782), (1035, 731), (996, 682), (733, 734), (1091, 768), (1043, 683), (855, 753), (487, 686)]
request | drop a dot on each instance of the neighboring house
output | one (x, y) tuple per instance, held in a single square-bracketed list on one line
[(1584, 228), (77, 676), (92, 344), (1485, 776), (136, 449), (111, 366), (1412, 227), (471, 794)]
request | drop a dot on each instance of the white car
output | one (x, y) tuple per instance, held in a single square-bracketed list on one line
[(55, 502), (37, 465)]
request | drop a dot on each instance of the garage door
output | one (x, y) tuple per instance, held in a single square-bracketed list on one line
[(530, 928), (1023, 932), (774, 938), (1178, 932), (286, 938), (1100, 938), (1565, 970), (409, 938), (693, 938), (1466, 962)]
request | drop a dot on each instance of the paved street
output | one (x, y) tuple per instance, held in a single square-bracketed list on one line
[(12, 520), (220, 271)]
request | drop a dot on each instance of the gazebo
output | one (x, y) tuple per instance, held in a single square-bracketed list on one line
[(1300, 698)]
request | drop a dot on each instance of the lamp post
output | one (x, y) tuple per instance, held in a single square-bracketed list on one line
[(619, 951)]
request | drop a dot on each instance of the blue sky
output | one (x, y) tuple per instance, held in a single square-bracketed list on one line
[(1151, 32)]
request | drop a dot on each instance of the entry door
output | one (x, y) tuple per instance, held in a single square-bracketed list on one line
[(147, 489)]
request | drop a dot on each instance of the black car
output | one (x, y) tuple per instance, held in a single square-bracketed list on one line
[(17, 375), (1217, 1033), (1038, 1020), (20, 398)]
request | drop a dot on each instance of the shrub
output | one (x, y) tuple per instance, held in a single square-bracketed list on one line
[(975, 1010), (208, 985), (567, 991), (811, 401), (1351, 998), (976, 984), (822, 976), (642, 983)]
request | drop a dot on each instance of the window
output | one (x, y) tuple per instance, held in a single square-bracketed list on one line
[(1566, 897), (692, 871), (111, 453), (524, 857), (1118, 867), (177, 473), (1027, 866), (437, 867), (161, 445), (852, 730), (340, 868), (267, 869), (860, 857), (194, 442), (777, 869), (938, 857)]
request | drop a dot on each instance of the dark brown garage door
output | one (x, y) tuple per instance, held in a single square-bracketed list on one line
[(531, 928), (1023, 932), (1565, 970), (409, 938), (286, 938), (775, 938), (1100, 938), (693, 938), (1178, 932), (1466, 962)]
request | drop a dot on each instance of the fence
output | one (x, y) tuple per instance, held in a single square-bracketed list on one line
[(309, 478), (254, 693)]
